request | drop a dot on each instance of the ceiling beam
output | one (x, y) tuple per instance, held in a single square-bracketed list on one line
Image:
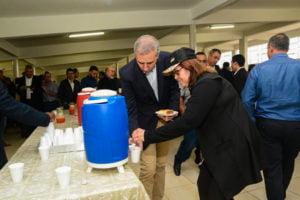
[(70, 59), (205, 7), (271, 29), (8, 48), (232, 15), (76, 48), (183, 38), (45, 25)]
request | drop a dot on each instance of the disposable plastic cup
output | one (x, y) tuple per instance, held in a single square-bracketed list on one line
[(43, 141), (60, 119), (63, 176), (44, 152), (72, 109), (16, 172), (135, 154)]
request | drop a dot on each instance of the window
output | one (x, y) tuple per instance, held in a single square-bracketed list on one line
[(225, 57), (258, 53), (294, 50)]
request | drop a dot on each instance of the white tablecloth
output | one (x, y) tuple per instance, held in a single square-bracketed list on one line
[(39, 180)]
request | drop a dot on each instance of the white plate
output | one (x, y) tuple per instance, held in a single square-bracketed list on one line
[(167, 115)]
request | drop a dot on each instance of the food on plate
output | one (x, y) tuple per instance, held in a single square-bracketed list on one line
[(165, 111)]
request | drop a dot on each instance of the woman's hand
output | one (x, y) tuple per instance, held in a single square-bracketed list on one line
[(166, 118), (138, 137)]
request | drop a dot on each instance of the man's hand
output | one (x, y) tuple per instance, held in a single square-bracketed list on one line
[(166, 118), (51, 115)]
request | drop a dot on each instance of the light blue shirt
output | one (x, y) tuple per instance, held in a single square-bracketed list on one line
[(51, 87), (272, 89), (152, 79)]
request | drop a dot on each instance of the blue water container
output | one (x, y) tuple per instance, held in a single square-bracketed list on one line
[(105, 126)]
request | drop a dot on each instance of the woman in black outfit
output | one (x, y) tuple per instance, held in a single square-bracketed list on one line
[(228, 138)]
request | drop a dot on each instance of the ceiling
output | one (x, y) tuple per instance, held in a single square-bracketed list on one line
[(36, 32)]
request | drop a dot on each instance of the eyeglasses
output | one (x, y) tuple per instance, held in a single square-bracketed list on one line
[(203, 61), (176, 71)]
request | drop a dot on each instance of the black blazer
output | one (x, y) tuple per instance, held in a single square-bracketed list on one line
[(36, 95), (65, 93), (110, 84), (239, 80), (20, 112), (228, 75), (217, 68), (228, 139), (141, 101)]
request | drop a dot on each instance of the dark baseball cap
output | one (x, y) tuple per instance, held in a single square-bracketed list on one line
[(179, 56)]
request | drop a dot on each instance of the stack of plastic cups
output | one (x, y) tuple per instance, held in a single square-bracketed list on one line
[(81, 96)]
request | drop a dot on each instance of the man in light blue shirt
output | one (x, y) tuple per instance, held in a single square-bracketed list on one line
[(272, 98)]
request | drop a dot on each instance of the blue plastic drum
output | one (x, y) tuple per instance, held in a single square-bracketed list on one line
[(105, 126)]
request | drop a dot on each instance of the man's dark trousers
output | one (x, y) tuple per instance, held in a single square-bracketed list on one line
[(281, 145), (189, 142)]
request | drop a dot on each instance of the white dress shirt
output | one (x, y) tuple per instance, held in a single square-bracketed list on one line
[(152, 79)]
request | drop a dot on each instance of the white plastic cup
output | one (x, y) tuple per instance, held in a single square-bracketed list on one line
[(69, 130), (135, 154), (44, 152), (16, 172), (63, 176), (48, 139), (77, 135), (50, 128), (43, 141)]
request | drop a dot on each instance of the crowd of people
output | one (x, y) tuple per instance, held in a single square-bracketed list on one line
[(243, 124), (43, 94), (239, 122)]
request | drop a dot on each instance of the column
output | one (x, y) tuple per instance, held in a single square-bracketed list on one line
[(233, 52), (192, 37), (243, 46), (117, 70), (16, 71), (34, 70)]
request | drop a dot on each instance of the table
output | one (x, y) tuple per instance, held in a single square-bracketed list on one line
[(39, 179)]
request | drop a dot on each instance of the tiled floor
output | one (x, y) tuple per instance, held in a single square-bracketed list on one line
[(184, 186), (12, 136)]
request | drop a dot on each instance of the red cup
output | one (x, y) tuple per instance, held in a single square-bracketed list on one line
[(60, 119), (72, 109)]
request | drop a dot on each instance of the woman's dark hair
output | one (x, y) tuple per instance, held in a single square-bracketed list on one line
[(196, 70)]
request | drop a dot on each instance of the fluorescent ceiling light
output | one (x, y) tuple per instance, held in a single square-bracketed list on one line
[(221, 26), (85, 34)]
